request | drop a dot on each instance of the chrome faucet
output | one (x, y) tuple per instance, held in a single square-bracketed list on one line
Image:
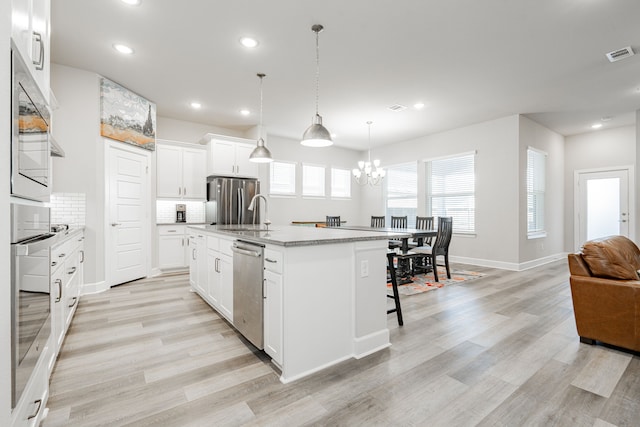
[(252, 205)]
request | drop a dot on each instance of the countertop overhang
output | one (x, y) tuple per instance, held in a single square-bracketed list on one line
[(291, 235)]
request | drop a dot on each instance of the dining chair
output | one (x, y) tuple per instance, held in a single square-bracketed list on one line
[(423, 223), (332, 221), (440, 245), (377, 221), (397, 222), (392, 279)]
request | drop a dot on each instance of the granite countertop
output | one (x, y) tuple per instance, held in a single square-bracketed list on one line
[(291, 235), (180, 223)]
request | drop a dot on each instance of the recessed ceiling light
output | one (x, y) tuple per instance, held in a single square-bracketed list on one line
[(248, 42), (418, 105), (196, 105), (123, 49), (132, 2), (596, 126), (245, 112)]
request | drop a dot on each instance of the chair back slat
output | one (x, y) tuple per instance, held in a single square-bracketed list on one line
[(398, 222), (333, 221), (443, 239), (425, 223), (377, 221)]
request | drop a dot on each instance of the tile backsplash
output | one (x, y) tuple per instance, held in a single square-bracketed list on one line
[(166, 211), (68, 208)]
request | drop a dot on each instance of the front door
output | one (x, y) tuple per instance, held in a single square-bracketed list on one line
[(603, 204), (128, 213)]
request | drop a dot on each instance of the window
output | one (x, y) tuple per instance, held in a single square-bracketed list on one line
[(451, 190), (401, 185), (313, 181), (282, 179), (340, 183), (535, 192)]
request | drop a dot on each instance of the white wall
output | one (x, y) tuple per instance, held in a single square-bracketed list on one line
[(76, 128), (497, 176), (599, 149), (5, 239), (534, 135), (178, 130), (284, 210)]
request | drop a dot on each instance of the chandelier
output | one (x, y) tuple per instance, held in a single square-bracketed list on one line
[(369, 172)]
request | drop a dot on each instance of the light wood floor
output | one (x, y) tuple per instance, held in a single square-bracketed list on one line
[(496, 351)]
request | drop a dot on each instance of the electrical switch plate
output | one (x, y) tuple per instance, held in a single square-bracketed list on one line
[(364, 268)]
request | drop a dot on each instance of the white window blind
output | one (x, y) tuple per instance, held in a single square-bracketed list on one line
[(313, 180), (535, 191), (401, 191), (451, 190), (282, 178), (340, 183)]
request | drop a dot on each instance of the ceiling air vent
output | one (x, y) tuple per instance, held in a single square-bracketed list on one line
[(397, 107), (619, 54)]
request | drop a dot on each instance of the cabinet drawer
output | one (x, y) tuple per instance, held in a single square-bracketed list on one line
[(171, 230), (213, 243), (59, 254), (273, 260), (225, 246)]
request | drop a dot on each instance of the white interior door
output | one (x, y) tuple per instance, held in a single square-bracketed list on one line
[(128, 213), (603, 204)]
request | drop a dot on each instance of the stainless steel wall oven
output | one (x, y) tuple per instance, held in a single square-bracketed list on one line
[(30, 292), (30, 142)]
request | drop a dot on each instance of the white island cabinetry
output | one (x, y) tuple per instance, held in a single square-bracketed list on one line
[(324, 293)]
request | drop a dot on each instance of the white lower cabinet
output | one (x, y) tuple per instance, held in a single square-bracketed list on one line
[(273, 262), (173, 248), (30, 410), (219, 291)]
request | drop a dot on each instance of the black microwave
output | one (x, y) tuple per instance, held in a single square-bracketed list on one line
[(30, 142)]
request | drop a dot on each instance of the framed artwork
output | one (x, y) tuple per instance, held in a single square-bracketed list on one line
[(126, 116)]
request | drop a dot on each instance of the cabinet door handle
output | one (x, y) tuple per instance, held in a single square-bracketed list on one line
[(59, 283), (271, 260), (37, 411), (62, 255), (183, 241), (81, 257), (179, 191), (71, 270), (40, 62), (193, 253), (184, 192), (172, 231), (53, 263), (75, 300)]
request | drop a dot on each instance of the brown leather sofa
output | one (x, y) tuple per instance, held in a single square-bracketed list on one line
[(605, 288)]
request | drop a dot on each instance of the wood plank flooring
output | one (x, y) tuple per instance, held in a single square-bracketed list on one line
[(497, 351)]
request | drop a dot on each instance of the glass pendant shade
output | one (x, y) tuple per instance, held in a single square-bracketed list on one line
[(260, 154), (369, 172), (316, 135)]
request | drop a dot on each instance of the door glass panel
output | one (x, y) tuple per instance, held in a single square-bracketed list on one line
[(603, 207)]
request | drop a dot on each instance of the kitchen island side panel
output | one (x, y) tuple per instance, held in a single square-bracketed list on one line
[(331, 313)]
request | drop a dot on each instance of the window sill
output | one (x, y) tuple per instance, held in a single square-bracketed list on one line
[(466, 235), (537, 235), (282, 196)]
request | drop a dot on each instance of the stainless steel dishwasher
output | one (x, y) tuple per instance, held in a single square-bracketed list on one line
[(248, 271)]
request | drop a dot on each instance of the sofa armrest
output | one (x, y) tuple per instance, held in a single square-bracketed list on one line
[(607, 310)]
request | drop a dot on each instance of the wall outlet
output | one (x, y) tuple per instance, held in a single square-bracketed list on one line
[(364, 268)]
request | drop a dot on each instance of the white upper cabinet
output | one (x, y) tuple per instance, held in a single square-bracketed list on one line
[(30, 31), (228, 156), (181, 172)]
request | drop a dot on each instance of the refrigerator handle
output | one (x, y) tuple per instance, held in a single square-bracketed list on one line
[(240, 206)]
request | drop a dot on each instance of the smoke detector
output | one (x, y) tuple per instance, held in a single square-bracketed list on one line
[(619, 54)]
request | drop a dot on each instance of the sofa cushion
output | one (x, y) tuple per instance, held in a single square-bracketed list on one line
[(614, 257)]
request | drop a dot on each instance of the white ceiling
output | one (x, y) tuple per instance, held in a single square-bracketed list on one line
[(469, 61)]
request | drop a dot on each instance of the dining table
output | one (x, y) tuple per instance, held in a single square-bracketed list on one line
[(404, 254)]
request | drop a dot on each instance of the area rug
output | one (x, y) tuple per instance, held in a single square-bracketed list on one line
[(426, 282)]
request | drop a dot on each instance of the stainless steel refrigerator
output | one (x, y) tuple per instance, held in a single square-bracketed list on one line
[(229, 198)]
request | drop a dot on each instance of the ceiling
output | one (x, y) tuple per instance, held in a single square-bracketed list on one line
[(467, 61)]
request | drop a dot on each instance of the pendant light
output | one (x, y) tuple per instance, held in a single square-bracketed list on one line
[(365, 174), (317, 135), (260, 154)]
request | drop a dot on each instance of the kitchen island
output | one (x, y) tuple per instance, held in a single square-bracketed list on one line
[(324, 290)]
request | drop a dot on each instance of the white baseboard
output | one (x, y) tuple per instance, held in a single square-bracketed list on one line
[(155, 272), (94, 288), (513, 266)]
